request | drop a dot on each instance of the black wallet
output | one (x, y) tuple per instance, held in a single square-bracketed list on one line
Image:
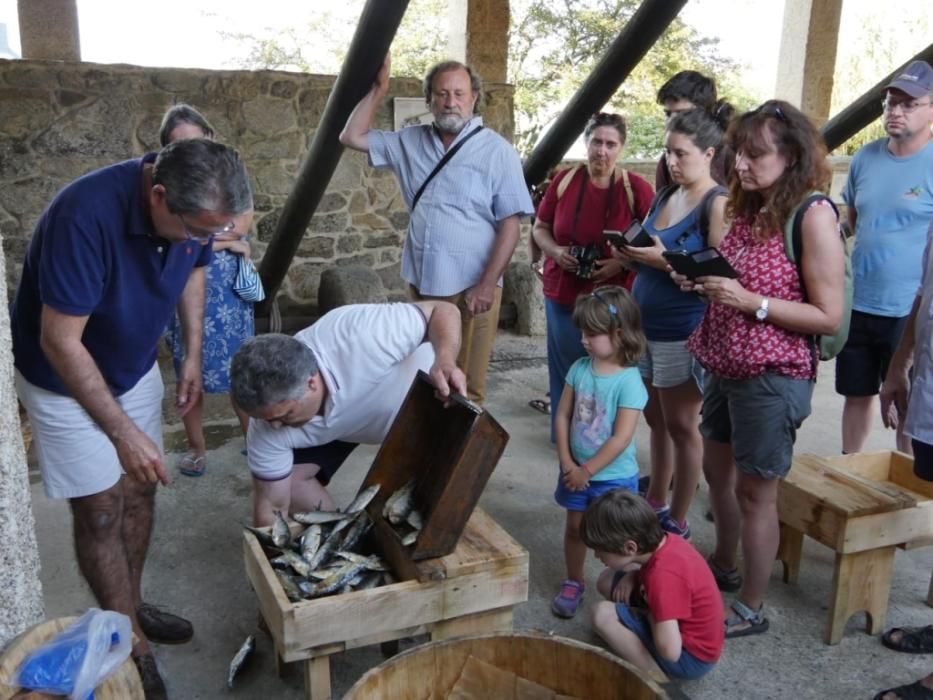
[(701, 263), (634, 235)]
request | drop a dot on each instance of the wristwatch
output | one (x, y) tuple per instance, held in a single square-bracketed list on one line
[(761, 313)]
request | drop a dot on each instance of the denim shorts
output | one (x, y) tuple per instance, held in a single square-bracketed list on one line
[(687, 666), (580, 500), (667, 364), (759, 417)]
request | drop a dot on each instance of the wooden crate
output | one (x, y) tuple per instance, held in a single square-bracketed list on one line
[(450, 453), (469, 591), (862, 506)]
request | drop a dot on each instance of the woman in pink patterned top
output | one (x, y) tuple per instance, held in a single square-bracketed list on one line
[(755, 341)]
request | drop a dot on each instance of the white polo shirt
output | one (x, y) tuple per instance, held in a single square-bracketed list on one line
[(368, 356)]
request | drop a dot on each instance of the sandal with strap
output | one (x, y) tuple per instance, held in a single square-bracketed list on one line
[(727, 580), (540, 405), (189, 466), (913, 640), (911, 691), (758, 623)]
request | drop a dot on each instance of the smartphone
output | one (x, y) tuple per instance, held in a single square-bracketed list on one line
[(701, 263)]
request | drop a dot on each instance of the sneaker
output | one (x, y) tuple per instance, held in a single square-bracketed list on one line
[(566, 602), (153, 686), (668, 524), (162, 627), (728, 581)]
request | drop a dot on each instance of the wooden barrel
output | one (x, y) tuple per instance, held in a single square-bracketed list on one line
[(123, 684), (562, 666)]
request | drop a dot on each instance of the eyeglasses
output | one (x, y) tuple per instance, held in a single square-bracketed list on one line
[(668, 113), (202, 234), (907, 106)]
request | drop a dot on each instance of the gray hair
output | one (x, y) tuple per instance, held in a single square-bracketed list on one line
[(269, 369), (476, 83), (183, 114), (202, 175)]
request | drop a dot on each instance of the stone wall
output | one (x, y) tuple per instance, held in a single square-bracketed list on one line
[(60, 120)]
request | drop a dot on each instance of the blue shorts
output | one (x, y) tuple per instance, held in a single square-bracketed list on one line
[(687, 666), (580, 500)]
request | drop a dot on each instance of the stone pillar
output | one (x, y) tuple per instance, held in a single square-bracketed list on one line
[(479, 36), (807, 58), (20, 589), (48, 29)]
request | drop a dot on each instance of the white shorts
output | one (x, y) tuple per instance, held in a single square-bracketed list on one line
[(75, 456), (667, 364)]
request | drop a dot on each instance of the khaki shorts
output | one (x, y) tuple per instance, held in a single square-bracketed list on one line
[(75, 456)]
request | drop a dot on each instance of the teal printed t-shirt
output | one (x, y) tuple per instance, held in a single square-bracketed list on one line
[(596, 401), (893, 198)]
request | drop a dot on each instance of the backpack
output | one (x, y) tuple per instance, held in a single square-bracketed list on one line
[(828, 346), (626, 185), (704, 205)]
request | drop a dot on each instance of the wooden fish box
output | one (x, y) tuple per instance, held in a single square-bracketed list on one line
[(470, 591), (862, 506), (450, 452)]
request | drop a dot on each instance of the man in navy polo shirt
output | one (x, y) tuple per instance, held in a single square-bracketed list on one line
[(110, 259)]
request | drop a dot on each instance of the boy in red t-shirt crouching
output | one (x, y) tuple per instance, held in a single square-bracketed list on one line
[(663, 609)]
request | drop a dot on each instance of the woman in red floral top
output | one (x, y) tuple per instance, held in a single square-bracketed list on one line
[(755, 341)]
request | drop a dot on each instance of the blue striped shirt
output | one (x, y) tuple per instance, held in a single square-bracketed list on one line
[(452, 231)]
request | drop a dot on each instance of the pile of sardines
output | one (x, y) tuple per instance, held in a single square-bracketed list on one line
[(324, 559)]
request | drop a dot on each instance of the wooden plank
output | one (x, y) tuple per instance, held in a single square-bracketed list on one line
[(902, 474), (317, 678), (484, 544), (887, 529), (831, 489), (861, 581), (802, 511), (272, 599), (872, 465), (899, 497), (478, 623), (790, 550)]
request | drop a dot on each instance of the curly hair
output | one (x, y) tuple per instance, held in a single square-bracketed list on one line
[(779, 125), (612, 310)]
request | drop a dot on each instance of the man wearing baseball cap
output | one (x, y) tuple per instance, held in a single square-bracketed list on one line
[(889, 195)]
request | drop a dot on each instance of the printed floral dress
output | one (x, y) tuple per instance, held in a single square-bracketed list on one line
[(228, 321)]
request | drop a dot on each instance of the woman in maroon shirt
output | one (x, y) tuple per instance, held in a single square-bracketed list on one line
[(569, 229), (755, 341)]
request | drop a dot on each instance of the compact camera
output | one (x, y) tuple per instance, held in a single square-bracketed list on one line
[(586, 255)]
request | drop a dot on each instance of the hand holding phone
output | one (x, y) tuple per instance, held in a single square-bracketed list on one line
[(635, 236), (707, 262)]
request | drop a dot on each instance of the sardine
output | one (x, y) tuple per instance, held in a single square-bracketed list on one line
[(410, 538), (362, 499), (370, 580), (297, 562), (311, 541), (240, 659), (329, 545), (289, 586), (399, 504), (356, 532), (265, 539), (337, 580), (373, 563), (415, 519), (319, 517), (281, 535)]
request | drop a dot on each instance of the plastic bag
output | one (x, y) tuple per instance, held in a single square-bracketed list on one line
[(80, 658)]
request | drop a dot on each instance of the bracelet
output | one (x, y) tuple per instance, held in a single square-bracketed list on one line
[(584, 468)]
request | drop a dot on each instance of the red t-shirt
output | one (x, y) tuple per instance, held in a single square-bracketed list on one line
[(599, 210), (678, 585)]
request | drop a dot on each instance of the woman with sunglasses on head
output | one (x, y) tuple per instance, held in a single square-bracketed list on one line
[(580, 203), (228, 319), (756, 341), (686, 216)]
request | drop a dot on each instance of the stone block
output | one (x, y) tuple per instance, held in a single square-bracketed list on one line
[(330, 202), (521, 289), (349, 284)]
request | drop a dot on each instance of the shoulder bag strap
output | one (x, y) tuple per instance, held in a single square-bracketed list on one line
[(443, 161)]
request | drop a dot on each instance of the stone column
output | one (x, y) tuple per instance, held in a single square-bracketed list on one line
[(48, 29), (20, 589), (808, 55), (479, 36)]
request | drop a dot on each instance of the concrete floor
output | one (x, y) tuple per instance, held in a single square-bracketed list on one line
[(195, 567)]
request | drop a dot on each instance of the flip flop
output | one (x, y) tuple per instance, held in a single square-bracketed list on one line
[(541, 406), (914, 640), (911, 691), (189, 466)]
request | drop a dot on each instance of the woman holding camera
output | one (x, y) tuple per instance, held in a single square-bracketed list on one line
[(686, 216), (579, 205)]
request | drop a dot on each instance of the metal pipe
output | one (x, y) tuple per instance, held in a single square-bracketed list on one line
[(865, 109), (645, 27), (375, 31)]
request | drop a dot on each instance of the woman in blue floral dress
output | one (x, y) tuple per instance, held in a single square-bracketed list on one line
[(228, 320)]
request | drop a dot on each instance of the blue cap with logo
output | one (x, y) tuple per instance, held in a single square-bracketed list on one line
[(916, 80)]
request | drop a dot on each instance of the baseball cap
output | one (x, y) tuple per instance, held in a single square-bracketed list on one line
[(916, 80)]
